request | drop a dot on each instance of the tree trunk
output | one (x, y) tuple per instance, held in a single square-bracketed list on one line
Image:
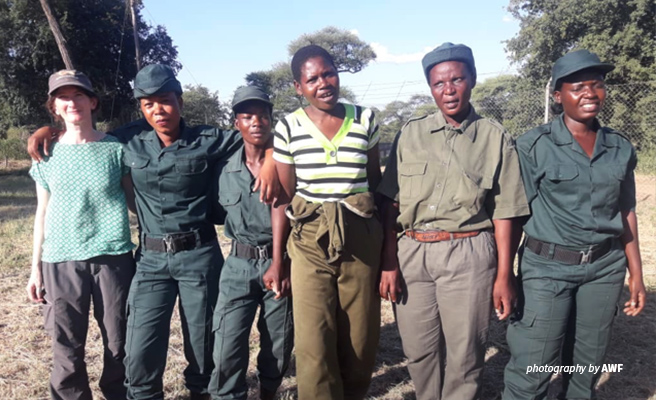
[(59, 38), (133, 11)]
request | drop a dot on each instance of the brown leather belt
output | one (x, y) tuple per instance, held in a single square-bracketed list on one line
[(438, 236)]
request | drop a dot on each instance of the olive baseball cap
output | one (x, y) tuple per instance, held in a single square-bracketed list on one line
[(449, 52), (155, 79), (577, 61), (69, 77), (247, 93)]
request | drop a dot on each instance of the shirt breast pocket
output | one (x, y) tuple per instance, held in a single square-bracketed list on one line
[(231, 203), (562, 185), (138, 166), (191, 166), (610, 181), (472, 191), (411, 177)]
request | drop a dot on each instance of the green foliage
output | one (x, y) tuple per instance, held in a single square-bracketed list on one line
[(99, 37), (349, 52), (395, 114), (619, 31), (202, 107), (513, 102), (12, 149)]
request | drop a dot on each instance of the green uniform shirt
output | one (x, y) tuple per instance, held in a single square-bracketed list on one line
[(454, 179), (172, 185), (247, 220), (576, 200)]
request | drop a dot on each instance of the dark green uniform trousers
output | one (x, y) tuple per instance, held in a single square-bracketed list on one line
[(336, 307), (241, 291), (161, 278), (565, 307)]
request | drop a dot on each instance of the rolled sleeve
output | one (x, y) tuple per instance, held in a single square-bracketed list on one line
[(628, 187), (508, 197)]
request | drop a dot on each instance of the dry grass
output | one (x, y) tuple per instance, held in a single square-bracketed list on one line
[(25, 359)]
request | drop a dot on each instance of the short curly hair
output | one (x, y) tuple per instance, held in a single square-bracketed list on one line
[(305, 53)]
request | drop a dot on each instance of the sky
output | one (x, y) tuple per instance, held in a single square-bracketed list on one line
[(219, 42)]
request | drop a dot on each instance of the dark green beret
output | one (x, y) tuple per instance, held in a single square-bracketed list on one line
[(449, 52), (247, 93), (577, 61), (155, 79)]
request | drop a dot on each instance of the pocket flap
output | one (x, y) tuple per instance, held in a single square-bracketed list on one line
[(412, 168), (187, 166), (563, 172), (229, 198), (136, 161)]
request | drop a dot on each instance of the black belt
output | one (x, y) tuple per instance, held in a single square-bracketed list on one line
[(176, 242), (249, 252), (567, 256)]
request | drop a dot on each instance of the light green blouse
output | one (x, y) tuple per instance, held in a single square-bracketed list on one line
[(87, 214)]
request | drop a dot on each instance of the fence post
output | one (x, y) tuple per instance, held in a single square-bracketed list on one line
[(546, 101)]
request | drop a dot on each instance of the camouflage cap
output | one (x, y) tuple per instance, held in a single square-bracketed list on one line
[(576, 61), (69, 77), (247, 93), (449, 52), (155, 79)]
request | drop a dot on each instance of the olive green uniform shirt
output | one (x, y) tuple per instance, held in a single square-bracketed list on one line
[(172, 184), (247, 219), (454, 179), (576, 200)]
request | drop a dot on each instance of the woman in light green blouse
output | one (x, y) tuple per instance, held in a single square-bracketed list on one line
[(82, 247)]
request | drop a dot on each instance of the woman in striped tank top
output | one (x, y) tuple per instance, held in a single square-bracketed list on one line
[(328, 164)]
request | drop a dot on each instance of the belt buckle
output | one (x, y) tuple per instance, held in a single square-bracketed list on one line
[(169, 244), (585, 256), (262, 252)]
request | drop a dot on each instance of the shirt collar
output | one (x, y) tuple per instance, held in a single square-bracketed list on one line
[(562, 135), (182, 141), (236, 163), (467, 126)]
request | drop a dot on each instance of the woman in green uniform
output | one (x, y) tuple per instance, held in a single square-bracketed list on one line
[(581, 237)]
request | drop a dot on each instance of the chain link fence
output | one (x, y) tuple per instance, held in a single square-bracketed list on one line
[(629, 108)]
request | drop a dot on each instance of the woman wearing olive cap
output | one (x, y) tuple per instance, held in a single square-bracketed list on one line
[(82, 248), (580, 238)]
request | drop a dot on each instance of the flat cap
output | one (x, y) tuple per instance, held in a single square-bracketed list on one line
[(449, 52), (155, 79), (576, 61), (247, 93), (69, 77)]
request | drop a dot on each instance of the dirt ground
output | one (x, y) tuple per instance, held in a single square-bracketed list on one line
[(25, 359)]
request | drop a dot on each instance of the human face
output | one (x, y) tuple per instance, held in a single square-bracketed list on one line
[(162, 111), (582, 95), (450, 83), (73, 104), (254, 122), (319, 83)]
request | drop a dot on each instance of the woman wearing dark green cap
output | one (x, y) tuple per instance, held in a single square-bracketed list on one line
[(581, 237)]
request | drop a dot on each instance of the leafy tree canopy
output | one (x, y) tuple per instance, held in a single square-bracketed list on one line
[(619, 31), (349, 52), (100, 39), (202, 107)]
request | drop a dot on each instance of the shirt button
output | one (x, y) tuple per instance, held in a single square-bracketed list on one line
[(437, 185), (332, 153), (432, 207), (163, 198)]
